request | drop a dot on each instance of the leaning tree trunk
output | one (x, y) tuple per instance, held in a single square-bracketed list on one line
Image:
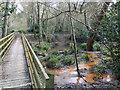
[(92, 38), (74, 40), (4, 29)]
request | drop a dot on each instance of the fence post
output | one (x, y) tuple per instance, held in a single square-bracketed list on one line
[(50, 81)]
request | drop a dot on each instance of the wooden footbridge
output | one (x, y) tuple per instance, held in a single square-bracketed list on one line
[(19, 65)]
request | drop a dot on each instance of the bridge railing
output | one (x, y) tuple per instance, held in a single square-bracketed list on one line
[(5, 44), (39, 77)]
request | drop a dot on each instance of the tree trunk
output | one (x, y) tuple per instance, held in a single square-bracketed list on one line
[(92, 38), (4, 29), (33, 19), (119, 24), (38, 7), (74, 40), (91, 42)]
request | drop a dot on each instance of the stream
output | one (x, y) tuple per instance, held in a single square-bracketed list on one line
[(70, 75)]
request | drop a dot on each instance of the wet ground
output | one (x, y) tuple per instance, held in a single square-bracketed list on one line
[(70, 75), (67, 77)]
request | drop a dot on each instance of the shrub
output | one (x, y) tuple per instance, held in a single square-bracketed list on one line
[(44, 46), (84, 56), (103, 66), (53, 62), (34, 49), (68, 60), (83, 45), (96, 46), (12, 31), (105, 51), (81, 34), (65, 51), (78, 50), (32, 28), (71, 51), (51, 56), (56, 43), (42, 51), (55, 52), (72, 45), (22, 31), (63, 56)]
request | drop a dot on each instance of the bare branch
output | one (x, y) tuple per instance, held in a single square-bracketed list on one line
[(66, 14)]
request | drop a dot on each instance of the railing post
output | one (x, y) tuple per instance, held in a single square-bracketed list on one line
[(0, 51), (50, 81)]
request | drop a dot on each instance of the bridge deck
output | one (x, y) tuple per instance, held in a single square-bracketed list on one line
[(13, 69)]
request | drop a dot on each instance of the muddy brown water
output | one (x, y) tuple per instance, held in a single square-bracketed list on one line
[(70, 75)]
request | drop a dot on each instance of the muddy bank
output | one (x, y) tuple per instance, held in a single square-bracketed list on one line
[(94, 86), (68, 78)]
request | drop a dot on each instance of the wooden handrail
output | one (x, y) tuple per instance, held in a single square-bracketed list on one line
[(6, 46), (34, 63), (6, 37), (6, 42), (38, 61)]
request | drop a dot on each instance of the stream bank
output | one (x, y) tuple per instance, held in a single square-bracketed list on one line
[(66, 77)]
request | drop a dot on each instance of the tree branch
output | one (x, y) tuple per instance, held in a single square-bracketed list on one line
[(66, 14)]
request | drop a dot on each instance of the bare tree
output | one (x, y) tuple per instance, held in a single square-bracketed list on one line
[(33, 12), (4, 29), (38, 9), (74, 39)]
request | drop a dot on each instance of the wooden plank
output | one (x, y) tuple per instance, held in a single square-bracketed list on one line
[(27, 85)]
